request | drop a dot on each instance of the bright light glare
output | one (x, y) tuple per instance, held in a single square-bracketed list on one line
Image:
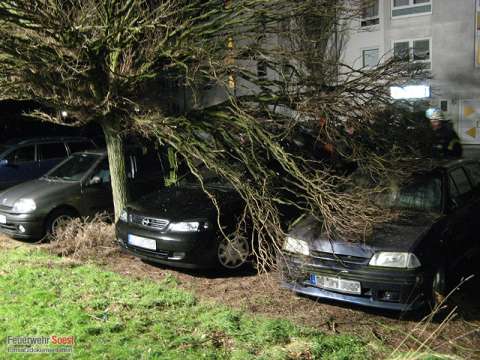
[(410, 92)]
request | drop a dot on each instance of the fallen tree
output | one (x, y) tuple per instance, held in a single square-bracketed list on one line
[(274, 72)]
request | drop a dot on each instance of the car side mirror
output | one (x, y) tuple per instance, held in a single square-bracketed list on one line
[(96, 180)]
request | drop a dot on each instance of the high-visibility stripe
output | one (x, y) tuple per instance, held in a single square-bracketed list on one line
[(452, 144)]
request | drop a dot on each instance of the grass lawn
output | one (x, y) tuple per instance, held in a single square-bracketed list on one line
[(114, 317)]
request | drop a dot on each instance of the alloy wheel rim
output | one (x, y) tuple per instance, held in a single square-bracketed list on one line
[(233, 253), (60, 220)]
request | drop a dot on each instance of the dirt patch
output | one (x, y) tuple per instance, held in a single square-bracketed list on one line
[(261, 295)]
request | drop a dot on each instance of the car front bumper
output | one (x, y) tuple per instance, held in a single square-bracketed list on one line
[(22, 226), (389, 289), (184, 250)]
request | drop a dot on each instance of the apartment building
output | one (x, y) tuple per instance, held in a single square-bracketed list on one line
[(442, 35)]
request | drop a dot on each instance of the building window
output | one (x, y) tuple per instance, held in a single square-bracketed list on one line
[(444, 105), (370, 57), (417, 51), (370, 13), (401, 50), (261, 69), (411, 7)]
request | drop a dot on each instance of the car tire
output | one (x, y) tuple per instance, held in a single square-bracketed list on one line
[(56, 218), (232, 252)]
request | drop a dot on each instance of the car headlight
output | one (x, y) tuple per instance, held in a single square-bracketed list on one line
[(24, 206), (186, 226), (402, 260), (123, 216), (296, 246)]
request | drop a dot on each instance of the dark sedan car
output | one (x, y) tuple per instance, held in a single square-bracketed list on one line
[(79, 186), (178, 226), (407, 263)]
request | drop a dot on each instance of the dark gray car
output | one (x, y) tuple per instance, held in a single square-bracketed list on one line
[(79, 186)]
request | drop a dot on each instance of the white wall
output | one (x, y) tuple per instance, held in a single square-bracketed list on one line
[(451, 28)]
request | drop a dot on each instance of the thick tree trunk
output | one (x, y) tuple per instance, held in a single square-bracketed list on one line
[(116, 160)]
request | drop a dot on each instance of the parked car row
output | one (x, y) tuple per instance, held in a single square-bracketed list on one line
[(407, 263)]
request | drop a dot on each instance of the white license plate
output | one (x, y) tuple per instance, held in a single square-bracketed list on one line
[(3, 219), (337, 284), (142, 242)]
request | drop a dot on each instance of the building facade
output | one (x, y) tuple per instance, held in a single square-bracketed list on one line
[(442, 35)]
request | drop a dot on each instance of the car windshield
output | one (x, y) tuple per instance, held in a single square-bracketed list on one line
[(74, 168), (420, 194), (209, 178)]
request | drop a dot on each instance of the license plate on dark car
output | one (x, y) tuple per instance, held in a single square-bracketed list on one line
[(335, 283), (142, 242)]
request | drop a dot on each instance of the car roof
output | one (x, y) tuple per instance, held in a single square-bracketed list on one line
[(92, 151), (130, 149), (452, 163), (428, 165), (44, 139)]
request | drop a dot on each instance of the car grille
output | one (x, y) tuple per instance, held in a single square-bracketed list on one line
[(148, 222), (155, 253), (330, 257)]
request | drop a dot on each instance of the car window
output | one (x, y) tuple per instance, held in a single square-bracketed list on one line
[(458, 183), (460, 180), (209, 178), (78, 146), (102, 171), (149, 162), (423, 194), (74, 168), (453, 188), (21, 155), (52, 151), (474, 173)]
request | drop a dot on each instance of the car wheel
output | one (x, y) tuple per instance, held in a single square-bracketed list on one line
[(439, 288), (56, 219), (233, 252)]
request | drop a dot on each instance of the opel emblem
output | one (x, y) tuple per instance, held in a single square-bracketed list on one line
[(146, 222)]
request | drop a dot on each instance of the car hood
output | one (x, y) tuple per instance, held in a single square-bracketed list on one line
[(181, 203), (397, 235), (35, 190)]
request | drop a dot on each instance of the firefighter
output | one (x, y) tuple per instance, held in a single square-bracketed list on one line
[(446, 142)]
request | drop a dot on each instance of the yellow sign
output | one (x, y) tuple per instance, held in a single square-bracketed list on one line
[(469, 121), (472, 132), (468, 110)]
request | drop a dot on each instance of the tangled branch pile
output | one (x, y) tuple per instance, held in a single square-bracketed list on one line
[(85, 238), (231, 86)]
